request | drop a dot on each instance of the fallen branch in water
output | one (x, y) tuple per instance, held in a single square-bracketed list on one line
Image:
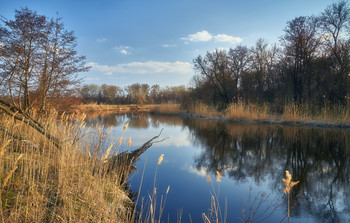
[(127, 158)]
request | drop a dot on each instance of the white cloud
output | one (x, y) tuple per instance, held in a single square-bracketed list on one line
[(227, 39), (123, 49), (124, 52), (148, 67), (205, 36), (202, 36)]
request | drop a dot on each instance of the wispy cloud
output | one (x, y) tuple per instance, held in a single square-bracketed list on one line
[(205, 36), (148, 67), (101, 40), (168, 45)]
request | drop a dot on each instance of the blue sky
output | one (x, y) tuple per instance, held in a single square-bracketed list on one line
[(155, 41)]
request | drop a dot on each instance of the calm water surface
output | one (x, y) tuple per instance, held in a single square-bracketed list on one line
[(252, 159)]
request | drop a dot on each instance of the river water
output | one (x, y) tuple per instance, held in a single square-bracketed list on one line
[(252, 160)]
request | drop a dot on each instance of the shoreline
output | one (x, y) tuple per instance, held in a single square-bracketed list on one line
[(299, 123), (157, 109)]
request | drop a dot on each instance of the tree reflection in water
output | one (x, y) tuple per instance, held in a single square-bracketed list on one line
[(319, 158)]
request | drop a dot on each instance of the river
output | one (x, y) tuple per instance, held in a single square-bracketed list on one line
[(252, 160)]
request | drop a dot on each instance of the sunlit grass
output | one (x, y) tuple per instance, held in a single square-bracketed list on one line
[(203, 109), (41, 183), (248, 111)]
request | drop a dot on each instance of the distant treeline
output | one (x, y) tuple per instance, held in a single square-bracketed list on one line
[(132, 94), (311, 64)]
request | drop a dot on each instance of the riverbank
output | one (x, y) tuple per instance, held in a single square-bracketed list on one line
[(248, 114)]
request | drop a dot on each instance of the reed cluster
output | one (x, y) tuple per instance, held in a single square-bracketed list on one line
[(42, 183), (248, 111), (202, 109), (289, 112)]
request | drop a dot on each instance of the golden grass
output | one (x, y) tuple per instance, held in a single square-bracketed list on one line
[(248, 111), (40, 183), (326, 113), (166, 108), (203, 109)]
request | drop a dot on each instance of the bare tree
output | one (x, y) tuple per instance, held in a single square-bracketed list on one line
[(215, 68), (335, 27), (240, 59), (60, 62), (38, 56), (21, 39), (300, 43)]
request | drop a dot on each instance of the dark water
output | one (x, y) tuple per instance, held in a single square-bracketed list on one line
[(252, 159)]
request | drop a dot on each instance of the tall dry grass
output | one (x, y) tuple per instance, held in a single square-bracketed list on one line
[(325, 113), (290, 112), (94, 107), (203, 109), (248, 111), (40, 183), (166, 108)]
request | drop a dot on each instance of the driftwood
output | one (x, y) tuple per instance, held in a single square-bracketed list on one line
[(126, 159), (18, 114)]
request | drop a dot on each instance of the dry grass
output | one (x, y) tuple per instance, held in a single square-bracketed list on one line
[(327, 113), (94, 107), (203, 109), (166, 108), (40, 183), (248, 111)]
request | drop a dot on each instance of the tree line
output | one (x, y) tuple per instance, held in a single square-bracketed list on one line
[(132, 94), (311, 64)]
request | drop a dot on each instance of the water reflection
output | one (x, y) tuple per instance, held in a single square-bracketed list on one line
[(319, 158), (135, 120)]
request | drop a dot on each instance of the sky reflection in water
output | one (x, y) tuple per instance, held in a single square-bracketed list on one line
[(249, 156)]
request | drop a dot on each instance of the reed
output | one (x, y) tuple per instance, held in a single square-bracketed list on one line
[(214, 213), (41, 183), (203, 109), (289, 185), (248, 111), (149, 211)]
